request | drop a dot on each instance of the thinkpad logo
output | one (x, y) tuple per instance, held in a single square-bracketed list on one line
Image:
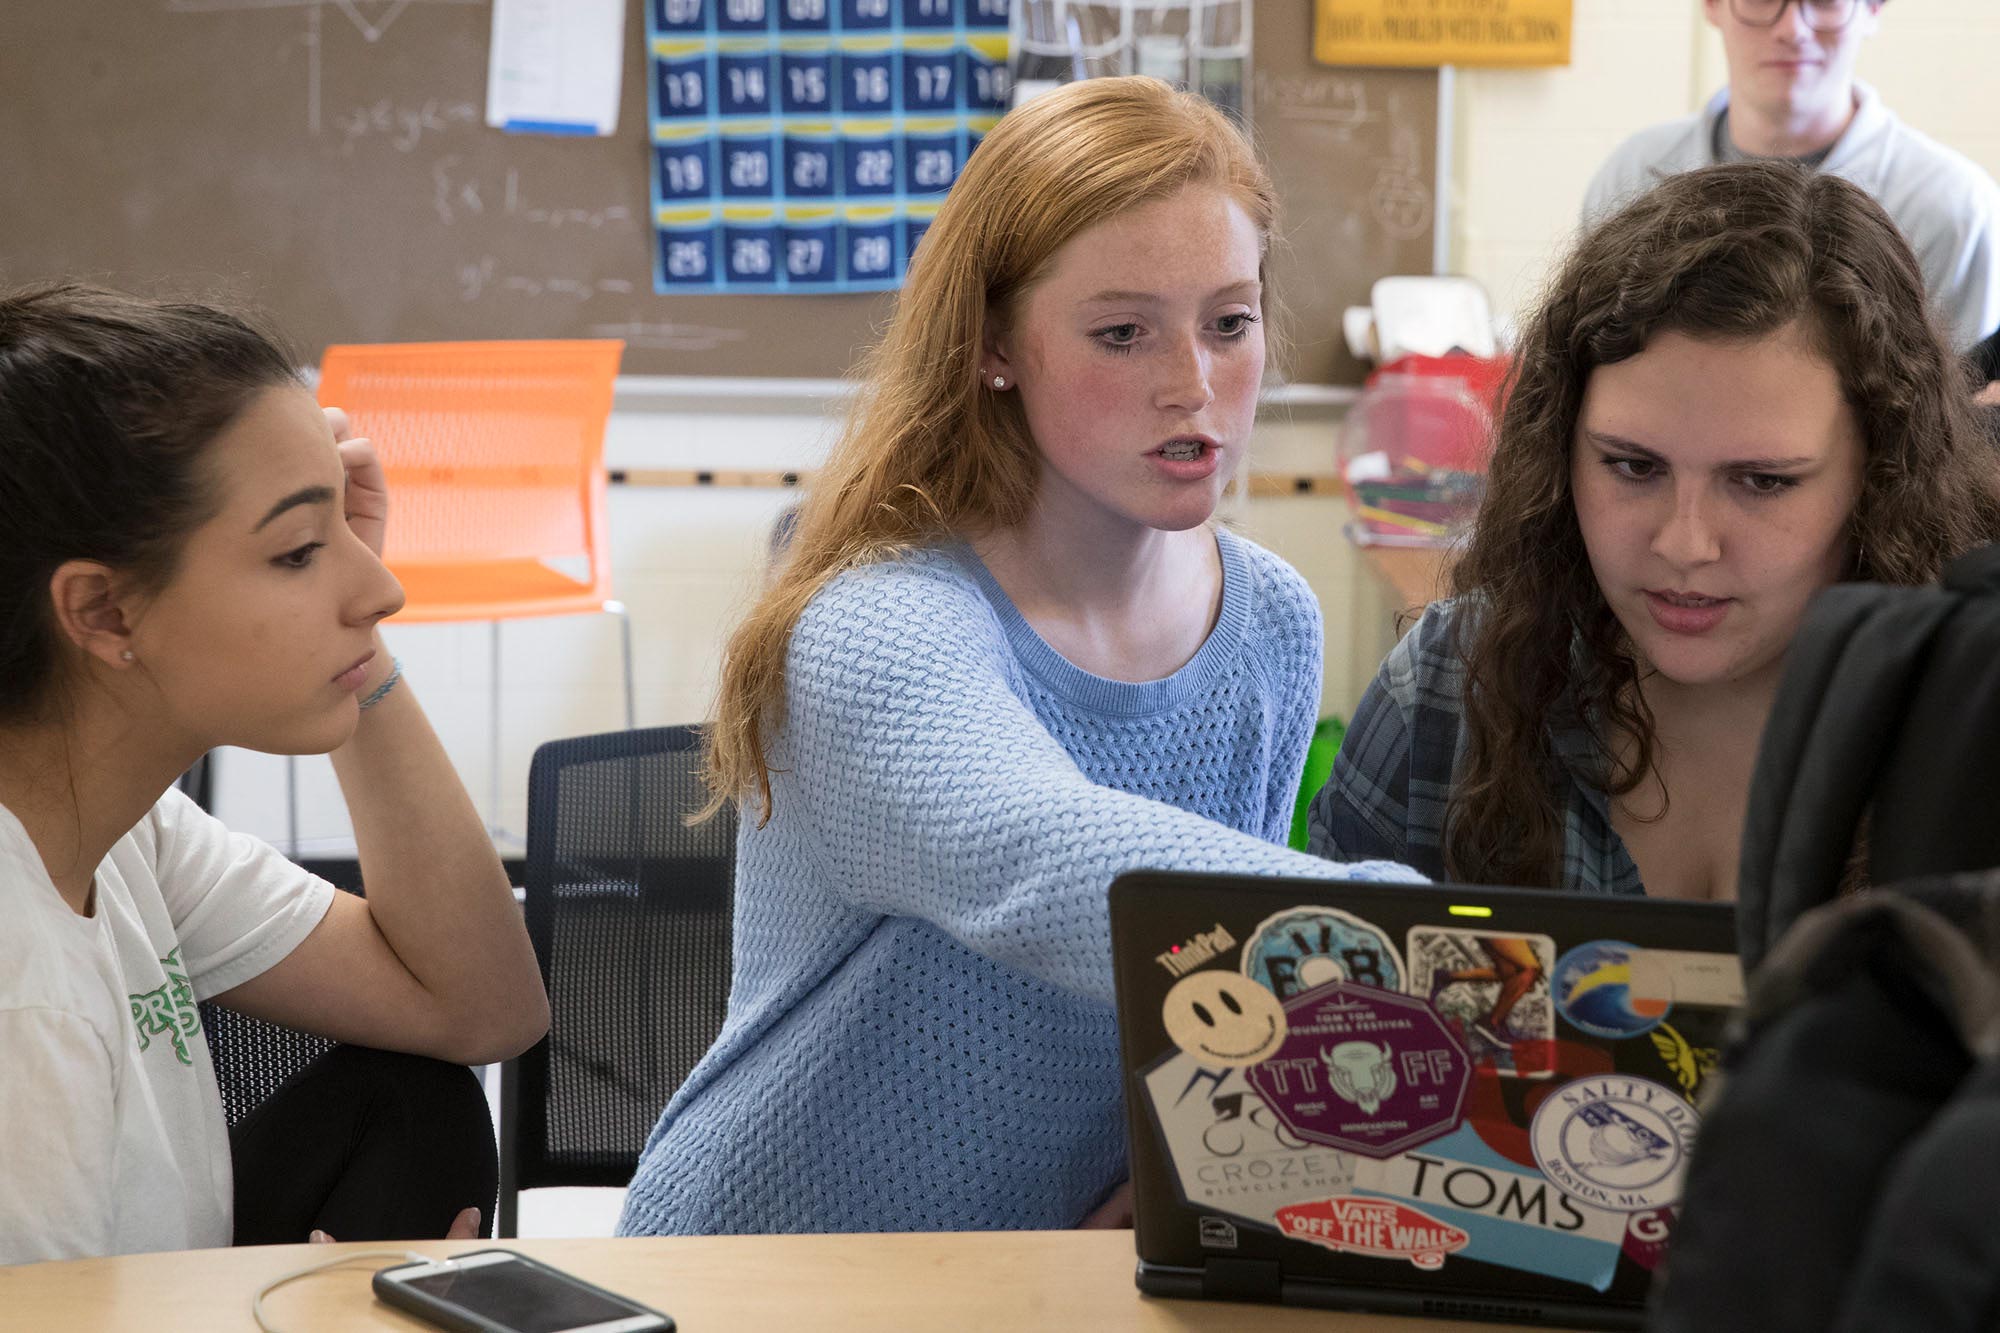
[(1181, 959)]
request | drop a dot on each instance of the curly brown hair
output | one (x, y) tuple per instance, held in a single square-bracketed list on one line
[(1722, 253)]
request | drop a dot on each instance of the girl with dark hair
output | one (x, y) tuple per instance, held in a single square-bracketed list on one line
[(1732, 396), (188, 559)]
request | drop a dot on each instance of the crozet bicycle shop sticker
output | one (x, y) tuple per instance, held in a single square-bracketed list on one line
[(1304, 947), (1615, 1141), (1229, 1152)]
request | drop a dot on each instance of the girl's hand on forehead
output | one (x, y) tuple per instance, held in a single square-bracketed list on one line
[(367, 497)]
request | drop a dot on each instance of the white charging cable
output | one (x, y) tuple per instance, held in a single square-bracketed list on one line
[(257, 1302)]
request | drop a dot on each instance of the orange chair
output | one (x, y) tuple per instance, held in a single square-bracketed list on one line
[(495, 459)]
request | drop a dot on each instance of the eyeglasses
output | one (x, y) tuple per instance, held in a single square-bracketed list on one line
[(1821, 15)]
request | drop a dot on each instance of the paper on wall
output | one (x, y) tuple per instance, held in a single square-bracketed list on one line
[(556, 66)]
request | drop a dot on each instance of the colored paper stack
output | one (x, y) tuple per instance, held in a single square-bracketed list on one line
[(1413, 451)]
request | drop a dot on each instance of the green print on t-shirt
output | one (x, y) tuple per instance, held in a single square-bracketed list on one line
[(168, 1011)]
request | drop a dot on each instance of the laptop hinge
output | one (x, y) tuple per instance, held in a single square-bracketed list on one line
[(1242, 1279)]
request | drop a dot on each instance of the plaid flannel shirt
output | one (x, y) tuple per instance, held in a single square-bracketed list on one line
[(1392, 778)]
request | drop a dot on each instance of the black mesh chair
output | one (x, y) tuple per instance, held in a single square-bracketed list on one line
[(253, 1058), (629, 909)]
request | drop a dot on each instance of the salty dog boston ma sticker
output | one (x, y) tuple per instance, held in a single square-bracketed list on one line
[(1615, 1141), (1302, 947)]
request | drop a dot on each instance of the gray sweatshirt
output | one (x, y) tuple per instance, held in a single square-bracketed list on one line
[(1946, 205)]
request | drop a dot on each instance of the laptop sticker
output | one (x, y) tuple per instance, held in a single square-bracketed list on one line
[(1646, 1235), (1366, 1070), (1493, 990), (1373, 1227), (1228, 1151), (1499, 1108), (1615, 1141), (1223, 1019), (1611, 989), (1196, 950), (1681, 1054), (1304, 947), (1713, 979), (1511, 1215)]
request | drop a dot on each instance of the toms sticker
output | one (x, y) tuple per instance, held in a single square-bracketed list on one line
[(1511, 1215), (1223, 1019), (1615, 1141), (1304, 947), (1229, 1152), (1493, 990), (1377, 1228), (1363, 1069), (1612, 989)]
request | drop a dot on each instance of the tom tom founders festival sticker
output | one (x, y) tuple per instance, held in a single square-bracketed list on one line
[(1364, 1069)]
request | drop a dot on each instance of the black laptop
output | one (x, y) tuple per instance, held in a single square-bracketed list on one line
[(1415, 1099)]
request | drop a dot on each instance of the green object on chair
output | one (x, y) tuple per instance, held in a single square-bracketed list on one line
[(1326, 740)]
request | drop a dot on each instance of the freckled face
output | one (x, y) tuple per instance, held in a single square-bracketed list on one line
[(1138, 359)]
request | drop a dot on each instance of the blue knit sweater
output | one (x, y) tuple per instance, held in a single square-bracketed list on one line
[(920, 1034)]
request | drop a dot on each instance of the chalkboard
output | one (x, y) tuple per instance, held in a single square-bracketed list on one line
[(328, 162)]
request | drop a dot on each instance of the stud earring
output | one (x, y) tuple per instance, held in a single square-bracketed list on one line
[(999, 381), (127, 656)]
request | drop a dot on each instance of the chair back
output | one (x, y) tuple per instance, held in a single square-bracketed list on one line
[(253, 1058), (495, 459), (629, 908)]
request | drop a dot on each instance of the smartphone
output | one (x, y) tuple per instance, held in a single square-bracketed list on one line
[(500, 1291)]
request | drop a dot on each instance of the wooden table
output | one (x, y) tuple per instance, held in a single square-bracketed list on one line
[(1016, 1282)]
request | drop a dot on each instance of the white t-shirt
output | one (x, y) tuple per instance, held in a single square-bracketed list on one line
[(112, 1138)]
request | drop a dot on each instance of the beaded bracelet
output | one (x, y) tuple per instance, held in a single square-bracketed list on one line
[(381, 691)]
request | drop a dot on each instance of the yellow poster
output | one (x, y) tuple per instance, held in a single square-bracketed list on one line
[(1441, 32)]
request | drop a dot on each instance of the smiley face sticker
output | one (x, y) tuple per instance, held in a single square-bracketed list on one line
[(1223, 1020)]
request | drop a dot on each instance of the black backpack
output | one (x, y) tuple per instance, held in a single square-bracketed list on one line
[(1847, 1173)]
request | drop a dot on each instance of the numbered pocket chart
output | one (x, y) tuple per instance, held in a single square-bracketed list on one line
[(804, 145), (1503, 1103)]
